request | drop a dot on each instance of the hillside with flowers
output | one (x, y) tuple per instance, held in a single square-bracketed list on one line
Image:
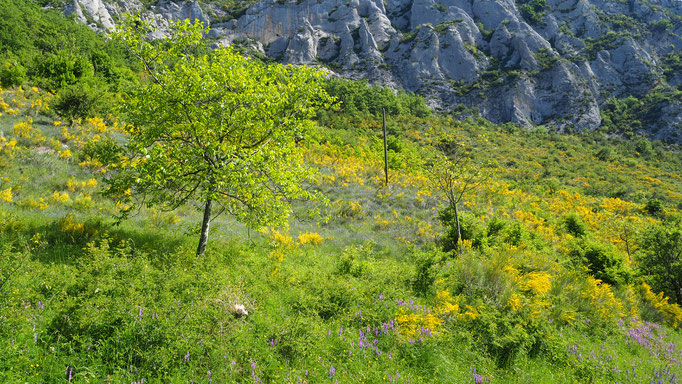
[(555, 275)]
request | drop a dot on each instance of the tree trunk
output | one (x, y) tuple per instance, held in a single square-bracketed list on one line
[(459, 231), (627, 242), (203, 239)]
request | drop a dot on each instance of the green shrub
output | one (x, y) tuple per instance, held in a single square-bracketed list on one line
[(515, 234), (81, 100), (61, 70), (660, 258), (425, 273), (601, 261), (574, 225), (106, 150), (12, 73), (654, 207), (470, 229)]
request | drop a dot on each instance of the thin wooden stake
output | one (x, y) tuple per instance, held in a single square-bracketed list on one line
[(385, 147)]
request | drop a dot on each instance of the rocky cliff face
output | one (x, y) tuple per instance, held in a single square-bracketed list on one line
[(551, 62)]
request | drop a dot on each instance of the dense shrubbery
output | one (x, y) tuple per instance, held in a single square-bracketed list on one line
[(660, 258), (359, 97), (58, 54), (601, 261)]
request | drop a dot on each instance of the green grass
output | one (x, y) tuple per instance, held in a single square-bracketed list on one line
[(108, 302)]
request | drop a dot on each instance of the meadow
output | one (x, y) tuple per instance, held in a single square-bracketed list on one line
[(558, 277), (358, 287)]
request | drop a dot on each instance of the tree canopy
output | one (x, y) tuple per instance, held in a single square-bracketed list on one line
[(212, 126)]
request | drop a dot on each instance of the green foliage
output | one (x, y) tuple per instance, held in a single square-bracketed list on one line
[(534, 11), (654, 207), (660, 258), (215, 128), (83, 99), (604, 154), (632, 115), (60, 70), (12, 73), (358, 97), (661, 25), (546, 59), (601, 261), (487, 33), (425, 273), (574, 225), (671, 65), (53, 52), (608, 41)]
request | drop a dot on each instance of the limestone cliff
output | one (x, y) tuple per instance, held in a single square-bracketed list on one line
[(552, 62)]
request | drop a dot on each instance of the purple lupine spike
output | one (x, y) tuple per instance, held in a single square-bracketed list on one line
[(332, 371), (70, 373)]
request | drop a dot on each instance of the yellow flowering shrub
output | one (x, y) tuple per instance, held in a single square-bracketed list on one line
[(309, 238), (410, 324), (538, 283), (6, 195), (280, 239), (61, 197), (68, 225), (22, 129), (34, 204), (514, 302), (65, 154), (671, 313)]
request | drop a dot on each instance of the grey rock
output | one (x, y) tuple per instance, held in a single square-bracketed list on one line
[(549, 73)]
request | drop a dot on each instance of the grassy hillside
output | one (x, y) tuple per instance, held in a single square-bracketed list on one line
[(554, 281), (357, 292)]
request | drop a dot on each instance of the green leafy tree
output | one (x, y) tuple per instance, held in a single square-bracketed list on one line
[(660, 258), (214, 127)]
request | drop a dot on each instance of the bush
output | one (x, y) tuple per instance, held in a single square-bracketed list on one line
[(601, 261), (654, 207), (61, 70), (470, 229), (574, 225), (660, 258), (11, 74), (106, 151), (360, 97), (425, 273), (81, 100)]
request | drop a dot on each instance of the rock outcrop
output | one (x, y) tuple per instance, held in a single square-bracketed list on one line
[(527, 62)]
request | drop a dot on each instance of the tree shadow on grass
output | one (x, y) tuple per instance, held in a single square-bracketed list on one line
[(65, 241)]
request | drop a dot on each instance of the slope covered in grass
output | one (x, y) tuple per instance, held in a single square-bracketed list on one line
[(355, 290)]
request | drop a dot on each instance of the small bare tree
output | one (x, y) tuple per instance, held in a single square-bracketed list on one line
[(455, 173)]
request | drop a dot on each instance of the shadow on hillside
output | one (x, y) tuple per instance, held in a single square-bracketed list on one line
[(66, 241)]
